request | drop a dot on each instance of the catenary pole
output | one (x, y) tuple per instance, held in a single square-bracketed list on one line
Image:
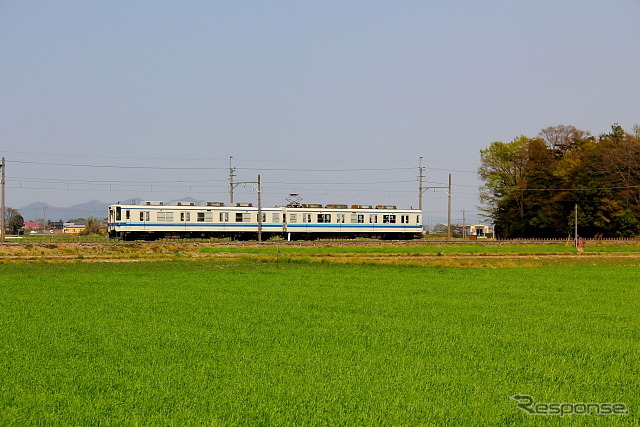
[(420, 189), (231, 175), (449, 211), (259, 210)]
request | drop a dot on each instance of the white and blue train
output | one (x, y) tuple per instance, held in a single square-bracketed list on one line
[(243, 221)]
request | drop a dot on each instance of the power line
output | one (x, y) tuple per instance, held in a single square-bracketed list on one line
[(326, 170), (87, 165), (22, 178), (339, 183), (95, 156), (115, 166), (98, 156), (580, 189)]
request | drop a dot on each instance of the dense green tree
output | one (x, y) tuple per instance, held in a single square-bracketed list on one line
[(92, 226), (14, 220), (532, 185), (502, 170)]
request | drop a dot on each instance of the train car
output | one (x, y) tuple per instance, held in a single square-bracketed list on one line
[(155, 220)]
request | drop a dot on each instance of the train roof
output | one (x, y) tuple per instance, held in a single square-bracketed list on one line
[(303, 206)]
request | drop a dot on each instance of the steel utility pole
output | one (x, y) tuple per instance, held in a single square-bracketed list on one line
[(420, 189), (231, 175), (2, 221), (257, 186), (449, 211), (259, 210)]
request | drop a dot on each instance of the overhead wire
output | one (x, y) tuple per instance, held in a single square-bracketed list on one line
[(196, 187)]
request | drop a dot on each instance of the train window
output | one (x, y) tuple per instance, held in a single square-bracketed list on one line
[(418, 219), (200, 217), (389, 219), (373, 219), (118, 213), (127, 214), (324, 218), (208, 216), (185, 216), (147, 216), (224, 216), (264, 217), (275, 217), (243, 217), (293, 218), (141, 216), (357, 219), (340, 218), (165, 216), (404, 219), (306, 217)]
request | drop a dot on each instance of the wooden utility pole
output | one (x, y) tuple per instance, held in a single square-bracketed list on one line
[(2, 221), (576, 227), (464, 225)]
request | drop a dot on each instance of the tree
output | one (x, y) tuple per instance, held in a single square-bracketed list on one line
[(92, 226), (14, 220), (502, 168), (532, 185), (561, 138)]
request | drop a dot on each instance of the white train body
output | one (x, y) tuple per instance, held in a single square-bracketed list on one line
[(155, 220)]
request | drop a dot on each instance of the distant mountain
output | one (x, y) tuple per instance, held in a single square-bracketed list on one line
[(38, 210)]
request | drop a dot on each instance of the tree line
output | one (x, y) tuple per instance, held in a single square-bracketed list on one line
[(532, 185)]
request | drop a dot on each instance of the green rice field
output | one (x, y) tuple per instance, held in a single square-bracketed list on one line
[(303, 343)]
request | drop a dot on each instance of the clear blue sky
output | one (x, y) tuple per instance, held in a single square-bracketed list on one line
[(336, 100)]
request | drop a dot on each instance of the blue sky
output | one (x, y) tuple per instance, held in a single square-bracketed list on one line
[(335, 100)]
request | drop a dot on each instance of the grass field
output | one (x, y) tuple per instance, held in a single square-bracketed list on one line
[(304, 343)]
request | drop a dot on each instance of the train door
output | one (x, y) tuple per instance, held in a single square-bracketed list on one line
[(340, 220), (144, 219), (224, 220), (373, 222), (306, 220), (185, 218)]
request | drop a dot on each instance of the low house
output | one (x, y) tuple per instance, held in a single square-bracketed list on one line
[(479, 230), (32, 225), (71, 228)]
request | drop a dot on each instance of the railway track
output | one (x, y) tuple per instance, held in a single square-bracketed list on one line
[(320, 242)]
